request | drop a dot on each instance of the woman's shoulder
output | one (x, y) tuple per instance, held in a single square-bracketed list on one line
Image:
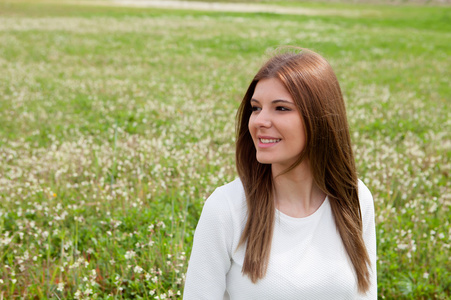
[(233, 190), (364, 192), (366, 199), (229, 197)]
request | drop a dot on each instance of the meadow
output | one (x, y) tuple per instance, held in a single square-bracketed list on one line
[(117, 123)]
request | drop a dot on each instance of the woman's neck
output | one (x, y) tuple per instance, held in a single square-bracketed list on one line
[(295, 192)]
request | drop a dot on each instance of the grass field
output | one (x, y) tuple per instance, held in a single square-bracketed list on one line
[(116, 124)]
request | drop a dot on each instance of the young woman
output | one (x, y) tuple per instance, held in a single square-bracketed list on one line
[(297, 224)]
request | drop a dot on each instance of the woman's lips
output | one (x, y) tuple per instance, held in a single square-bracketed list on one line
[(266, 142)]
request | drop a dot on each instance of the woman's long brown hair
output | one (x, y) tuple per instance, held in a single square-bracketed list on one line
[(315, 90)]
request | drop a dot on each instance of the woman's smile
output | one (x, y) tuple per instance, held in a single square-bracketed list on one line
[(266, 142)]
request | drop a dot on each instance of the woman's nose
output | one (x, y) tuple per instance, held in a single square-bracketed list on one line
[(263, 119)]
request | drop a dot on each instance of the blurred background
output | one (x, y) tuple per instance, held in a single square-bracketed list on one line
[(117, 120)]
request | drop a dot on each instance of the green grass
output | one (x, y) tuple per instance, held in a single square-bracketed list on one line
[(117, 123)]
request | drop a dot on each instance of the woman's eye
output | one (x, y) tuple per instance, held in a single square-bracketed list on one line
[(255, 108), (281, 108)]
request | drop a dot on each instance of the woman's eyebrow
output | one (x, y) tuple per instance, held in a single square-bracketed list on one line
[(274, 101), (282, 101)]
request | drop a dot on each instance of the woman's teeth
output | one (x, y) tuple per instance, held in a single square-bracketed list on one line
[(269, 141)]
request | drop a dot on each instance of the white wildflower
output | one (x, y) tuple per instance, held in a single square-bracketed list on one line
[(60, 286), (88, 292), (130, 254), (402, 246)]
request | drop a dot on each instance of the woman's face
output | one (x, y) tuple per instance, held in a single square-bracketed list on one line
[(275, 124)]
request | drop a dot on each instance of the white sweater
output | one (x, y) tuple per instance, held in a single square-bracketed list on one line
[(307, 259)]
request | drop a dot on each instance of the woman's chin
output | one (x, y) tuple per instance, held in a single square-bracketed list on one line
[(265, 160)]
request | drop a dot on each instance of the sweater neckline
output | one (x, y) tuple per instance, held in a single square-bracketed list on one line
[(317, 213)]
